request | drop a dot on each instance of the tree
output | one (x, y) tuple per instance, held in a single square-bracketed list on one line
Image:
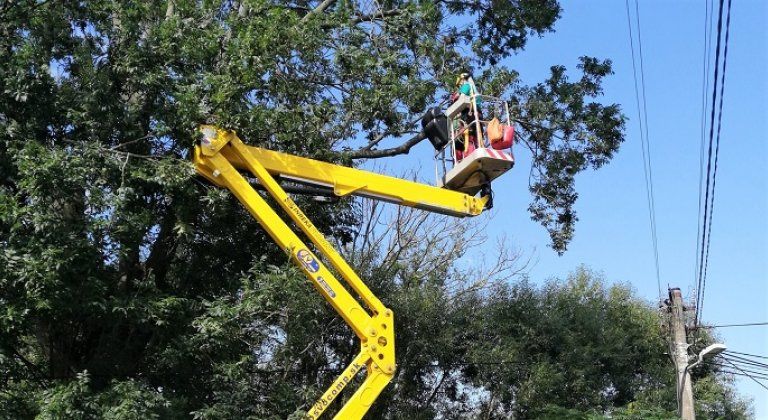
[(473, 344), (128, 287), (474, 341)]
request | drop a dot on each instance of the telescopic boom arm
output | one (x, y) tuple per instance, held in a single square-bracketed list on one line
[(219, 157)]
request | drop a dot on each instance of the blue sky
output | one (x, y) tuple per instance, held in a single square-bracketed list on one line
[(613, 234)]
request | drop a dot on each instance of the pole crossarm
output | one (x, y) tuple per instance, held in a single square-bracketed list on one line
[(218, 158)]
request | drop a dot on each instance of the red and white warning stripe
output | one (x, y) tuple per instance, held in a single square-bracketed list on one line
[(498, 154)]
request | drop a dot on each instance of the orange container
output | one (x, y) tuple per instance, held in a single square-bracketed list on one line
[(507, 140)]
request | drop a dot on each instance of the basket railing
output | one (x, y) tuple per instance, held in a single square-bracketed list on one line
[(489, 107)]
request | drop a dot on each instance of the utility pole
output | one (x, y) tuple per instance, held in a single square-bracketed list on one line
[(680, 356)]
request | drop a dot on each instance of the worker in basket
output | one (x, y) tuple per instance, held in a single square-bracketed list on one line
[(470, 117)]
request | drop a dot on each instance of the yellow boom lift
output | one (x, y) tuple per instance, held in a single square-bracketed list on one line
[(220, 157)]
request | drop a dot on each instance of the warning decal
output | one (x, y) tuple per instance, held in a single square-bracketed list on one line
[(308, 261)]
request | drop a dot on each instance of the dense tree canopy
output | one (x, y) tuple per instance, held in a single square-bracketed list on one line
[(131, 289), (334, 80)]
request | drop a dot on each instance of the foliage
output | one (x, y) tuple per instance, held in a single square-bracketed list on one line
[(566, 134), (130, 289), (135, 79)]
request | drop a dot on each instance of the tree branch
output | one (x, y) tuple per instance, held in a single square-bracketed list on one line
[(434, 391), (162, 252), (386, 133), (376, 15), (380, 15), (319, 9), (394, 151), (33, 367)]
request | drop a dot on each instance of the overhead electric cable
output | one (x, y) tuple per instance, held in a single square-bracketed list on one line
[(751, 324), (750, 376), (717, 154), (707, 56), (648, 146), (729, 370), (746, 369), (745, 360), (701, 284), (702, 227), (748, 363), (745, 354), (732, 372), (644, 144), (742, 359)]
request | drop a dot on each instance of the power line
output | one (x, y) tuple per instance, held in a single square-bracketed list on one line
[(749, 363), (730, 371), (717, 148), (745, 354), (746, 369), (733, 325), (700, 282), (339, 369), (642, 116), (648, 146), (745, 373), (709, 202), (707, 56), (745, 360)]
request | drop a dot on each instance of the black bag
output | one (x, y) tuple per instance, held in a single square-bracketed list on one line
[(435, 126)]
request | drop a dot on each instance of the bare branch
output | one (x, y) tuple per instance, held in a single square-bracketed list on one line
[(381, 136), (417, 246), (319, 9), (375, 16), (403, 149)]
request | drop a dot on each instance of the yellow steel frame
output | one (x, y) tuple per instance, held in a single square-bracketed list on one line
[(219, 157), (345, 180)]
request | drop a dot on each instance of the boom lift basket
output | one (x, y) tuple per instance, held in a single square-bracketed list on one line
[(468, 161)]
